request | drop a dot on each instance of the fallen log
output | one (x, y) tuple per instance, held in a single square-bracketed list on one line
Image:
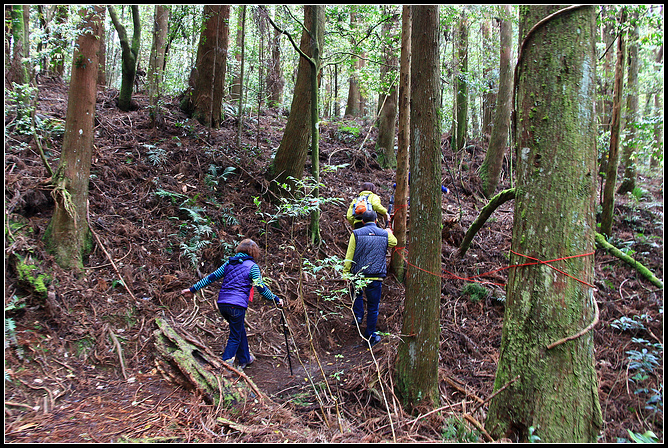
[(602, 243), (188, 362)]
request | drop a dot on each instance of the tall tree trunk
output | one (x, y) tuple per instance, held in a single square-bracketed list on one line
[(317, 29), (658, 122), (354, 104), (209, 84), (607, 214), (130, 53), (235, 88), (275, 81), (388, 98), (552, 388), (417, 354), (157, 62), (490, 169), (102, 69), (489, 96), (397, 265), (291, 155), (240, 89), (461, 86), (67, 235), (19, 71), (632, 114)]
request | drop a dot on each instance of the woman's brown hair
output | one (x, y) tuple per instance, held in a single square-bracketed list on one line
[(249, 247)]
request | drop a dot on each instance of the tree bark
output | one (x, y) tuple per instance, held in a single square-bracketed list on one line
[(632, 114), (67, 236), (211, 65), (275, 81), (291, 155), (130, 52), (388, 99), (397, 264), (240, 83), (490, 170), (556, 393), (461, 86), (157, 62), (417, 354), (607, 214)]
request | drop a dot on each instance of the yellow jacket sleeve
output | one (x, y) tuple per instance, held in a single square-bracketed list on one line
[(350, 253)]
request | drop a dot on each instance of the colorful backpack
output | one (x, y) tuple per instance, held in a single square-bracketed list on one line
[(362, 205)]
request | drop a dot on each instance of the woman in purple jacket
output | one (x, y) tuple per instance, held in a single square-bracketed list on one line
[(239, 274)]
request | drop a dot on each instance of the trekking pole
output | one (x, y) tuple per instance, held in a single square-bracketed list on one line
[(287, 347)]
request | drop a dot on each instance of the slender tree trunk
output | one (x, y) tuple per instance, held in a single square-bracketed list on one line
[(157, 62), (658, 122), (67, 235), (19, 70), (240, 91), (209, 83), (130, 53), (607, 214), (461, 86), (490, 169), (388, 99), (275, 81), (317, 30), (417, 354), (397, 264), (235, 88), (552, 389), (354, 104), (489, 96), (632, 114), (102, 70)]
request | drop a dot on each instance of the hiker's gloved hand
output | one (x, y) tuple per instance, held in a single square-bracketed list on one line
[(186, 292), (279, 302)]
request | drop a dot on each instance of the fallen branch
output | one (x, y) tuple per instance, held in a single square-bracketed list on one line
[(601, 243), (482, 218), (120, 352)]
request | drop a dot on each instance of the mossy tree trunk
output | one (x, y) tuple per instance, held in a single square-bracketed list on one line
[(129, 54), (417, 354), (157, 62), (186, 361), (556, 390), (67, 235)]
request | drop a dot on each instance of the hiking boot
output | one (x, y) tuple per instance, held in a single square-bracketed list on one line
[(373, 340), (243, 366), (356, 322), (229, 362)]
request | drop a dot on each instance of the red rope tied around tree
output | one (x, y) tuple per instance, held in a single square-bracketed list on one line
[(450, 275)]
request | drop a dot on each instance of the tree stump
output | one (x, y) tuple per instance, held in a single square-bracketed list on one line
[(188, 362)]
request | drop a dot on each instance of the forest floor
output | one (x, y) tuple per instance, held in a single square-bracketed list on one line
[(67, 381)]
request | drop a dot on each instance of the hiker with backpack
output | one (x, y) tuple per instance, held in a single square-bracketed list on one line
[(367, 249), (239, 274), (367, 199)]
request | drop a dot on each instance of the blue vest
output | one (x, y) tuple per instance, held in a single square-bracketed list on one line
[(370, 251), (236, 285)]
